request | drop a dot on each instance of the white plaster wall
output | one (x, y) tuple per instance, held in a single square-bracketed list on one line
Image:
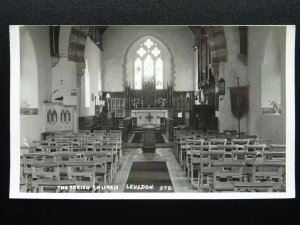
[(30, 126), (117, 39), (64, 36), (28, 69), (271, 71), (232, 42), (63, 78), (266, 126), (93, 59), (64, 70), (230, 71)]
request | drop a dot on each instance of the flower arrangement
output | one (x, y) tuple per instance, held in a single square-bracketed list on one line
[(162, 102), (136, 102), (276, 105)]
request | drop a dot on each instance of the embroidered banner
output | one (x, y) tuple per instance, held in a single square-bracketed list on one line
[(239, 97)]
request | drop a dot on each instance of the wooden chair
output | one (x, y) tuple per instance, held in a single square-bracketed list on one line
[(41, 170), (184, 146), (83, 173), (217, 141), (205, 173), (76, 148), (63, 143), (267, 142), (111, 152), (259, 149), (195, 164), (278, 147), (100, 170), (271, 171), (102, 132), (230, 149), (276, 152), (55, 186), (85, 132), (23, 184), (225, 174), (253, 186), (274, 155), (194, 160), (241, 141), (190, 145)]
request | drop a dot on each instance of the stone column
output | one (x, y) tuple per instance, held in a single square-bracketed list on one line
[(80, 67)]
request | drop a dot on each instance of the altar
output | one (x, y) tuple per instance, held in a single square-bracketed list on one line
[(149, 116)]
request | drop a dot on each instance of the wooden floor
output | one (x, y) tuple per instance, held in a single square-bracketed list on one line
[(177, 175)]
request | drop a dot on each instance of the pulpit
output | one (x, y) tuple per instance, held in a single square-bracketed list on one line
[(149, 138), (58, 117)]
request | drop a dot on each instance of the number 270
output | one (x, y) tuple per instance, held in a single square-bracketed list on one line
[(165, 188)]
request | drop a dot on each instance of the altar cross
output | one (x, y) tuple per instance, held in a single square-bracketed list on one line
[(149, 117)]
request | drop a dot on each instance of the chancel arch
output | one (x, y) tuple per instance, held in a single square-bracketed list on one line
[(151, 51)]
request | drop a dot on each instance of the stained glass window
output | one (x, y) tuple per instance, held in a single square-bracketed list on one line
[(159, 73), (138, 73), (148, 65), (148, 68)]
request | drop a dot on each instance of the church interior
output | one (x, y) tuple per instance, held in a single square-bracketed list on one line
[(152, 108)]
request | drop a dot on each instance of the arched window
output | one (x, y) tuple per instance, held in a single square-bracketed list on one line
[(148, 65)]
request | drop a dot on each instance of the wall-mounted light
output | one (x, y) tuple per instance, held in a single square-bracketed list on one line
[(221, 86)]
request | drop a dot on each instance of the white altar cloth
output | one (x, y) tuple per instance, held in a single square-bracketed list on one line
[(149, 116)]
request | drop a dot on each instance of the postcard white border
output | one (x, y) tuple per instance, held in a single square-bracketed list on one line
[(15, 137)]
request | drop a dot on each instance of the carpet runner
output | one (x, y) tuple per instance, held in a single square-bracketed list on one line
[(149, 177), (138, 138)]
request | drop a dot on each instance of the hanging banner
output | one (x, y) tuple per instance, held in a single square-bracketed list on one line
[(239, 98)]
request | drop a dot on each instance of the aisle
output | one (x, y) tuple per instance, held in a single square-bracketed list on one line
[(177, 176), (149, 177)]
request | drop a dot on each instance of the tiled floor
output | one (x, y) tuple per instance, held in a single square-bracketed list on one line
[(177, 175)]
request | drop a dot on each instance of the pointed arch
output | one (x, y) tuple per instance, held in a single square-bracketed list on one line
[(168, 59)]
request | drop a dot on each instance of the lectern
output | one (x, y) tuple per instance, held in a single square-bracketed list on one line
[(149, 138)]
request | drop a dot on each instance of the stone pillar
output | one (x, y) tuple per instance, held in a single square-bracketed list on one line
[(80, 67)]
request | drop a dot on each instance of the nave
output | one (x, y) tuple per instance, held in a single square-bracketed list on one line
[(96, 162), (119, 109)]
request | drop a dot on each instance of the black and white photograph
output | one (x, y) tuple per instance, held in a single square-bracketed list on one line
[(152, 111)]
